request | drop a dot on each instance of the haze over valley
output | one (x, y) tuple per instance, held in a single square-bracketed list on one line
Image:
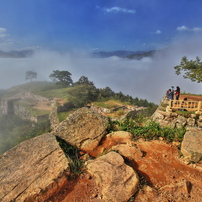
[(147, 78)]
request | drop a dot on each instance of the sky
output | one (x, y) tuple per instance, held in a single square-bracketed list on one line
[(97, 24), (63, 32)]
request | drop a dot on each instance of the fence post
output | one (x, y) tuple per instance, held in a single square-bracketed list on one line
[(199, 107)]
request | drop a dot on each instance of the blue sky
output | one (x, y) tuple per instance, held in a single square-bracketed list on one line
[(97, 24)]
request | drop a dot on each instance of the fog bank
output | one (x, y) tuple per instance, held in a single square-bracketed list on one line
[(148, 78)]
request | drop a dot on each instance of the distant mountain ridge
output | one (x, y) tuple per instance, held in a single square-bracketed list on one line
[(139, 56), (16, 54), (123, 54), (97, 54)]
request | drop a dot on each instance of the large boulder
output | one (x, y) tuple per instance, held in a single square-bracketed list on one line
[(83, 129), (192, 144), (116, 180), (32, 170), (129, 152)]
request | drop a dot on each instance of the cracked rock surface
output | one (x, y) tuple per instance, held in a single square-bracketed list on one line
[(31, 168), (83, 129)]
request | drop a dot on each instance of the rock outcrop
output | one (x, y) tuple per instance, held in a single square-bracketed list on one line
[(83, 129), (117, 168), (192, 145), (192, 141), (175, 120), (33, 170), (164, 118), (116, 180)]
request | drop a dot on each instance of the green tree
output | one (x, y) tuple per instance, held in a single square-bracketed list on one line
[(84, 81), (106, 92), (30, 75), (192, 69), (119, 96), (82, 95), (61, 77)]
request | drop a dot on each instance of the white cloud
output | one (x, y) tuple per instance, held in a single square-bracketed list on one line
[(3, 32), (6, 42), (158, 31), (184, 28), (197, 29), (119, 10)]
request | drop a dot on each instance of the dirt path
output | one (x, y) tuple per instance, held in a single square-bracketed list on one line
[(43, 106)]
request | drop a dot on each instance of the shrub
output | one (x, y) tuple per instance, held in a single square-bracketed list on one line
[(151, 130)]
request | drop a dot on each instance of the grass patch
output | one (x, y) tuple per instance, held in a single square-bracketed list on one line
[(63, 115), (151, 130), (164, 105), (110, 104), (36, 112), (60, 93), (29, 106), (186, 114), (120, 112), (45, 89), (31, 86)]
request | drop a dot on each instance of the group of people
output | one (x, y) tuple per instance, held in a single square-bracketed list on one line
[(173, 94)]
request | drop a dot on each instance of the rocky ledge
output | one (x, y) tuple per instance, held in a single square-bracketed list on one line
[(116, 168)]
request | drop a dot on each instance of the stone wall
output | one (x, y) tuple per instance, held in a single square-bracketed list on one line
[(9, 106), (54, 121), (22, 112), (174, 120), (4, 106)]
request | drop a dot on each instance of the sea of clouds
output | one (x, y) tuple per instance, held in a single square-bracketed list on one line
[(148, 78)]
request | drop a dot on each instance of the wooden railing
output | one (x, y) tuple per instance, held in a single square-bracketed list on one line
[(185, 105)]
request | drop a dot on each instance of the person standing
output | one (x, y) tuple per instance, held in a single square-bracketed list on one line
[(177, 93), (169, 94)]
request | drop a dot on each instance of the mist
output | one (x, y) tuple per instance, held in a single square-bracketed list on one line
[(148, 78)]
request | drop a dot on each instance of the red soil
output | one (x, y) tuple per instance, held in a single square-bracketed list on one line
[(160, 165)]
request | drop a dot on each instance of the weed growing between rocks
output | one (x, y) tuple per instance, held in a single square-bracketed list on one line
[(132, 199), (111, 124), (72, 154), (149, 130)]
